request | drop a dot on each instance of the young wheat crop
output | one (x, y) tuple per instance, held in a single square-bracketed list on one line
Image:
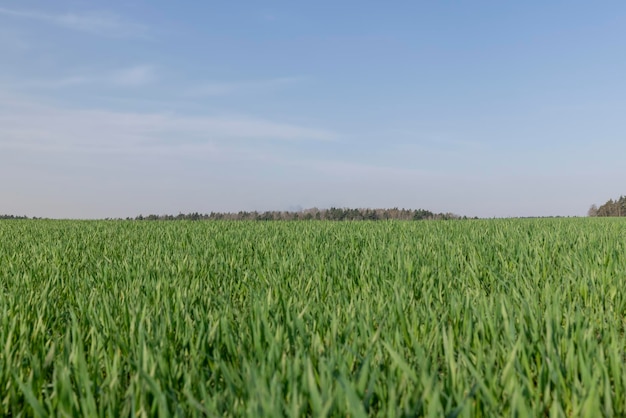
[(443, 318)]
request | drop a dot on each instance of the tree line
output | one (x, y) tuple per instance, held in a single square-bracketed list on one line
[(610, 208), (332, 214)]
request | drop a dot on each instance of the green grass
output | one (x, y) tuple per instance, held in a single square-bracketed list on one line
[(457, 318)]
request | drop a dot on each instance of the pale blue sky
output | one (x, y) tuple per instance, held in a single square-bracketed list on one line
[(116, 108)]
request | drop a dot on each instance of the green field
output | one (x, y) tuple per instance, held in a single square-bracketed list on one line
[(457, 318)]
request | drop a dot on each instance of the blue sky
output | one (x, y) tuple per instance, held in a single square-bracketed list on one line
[(112, 109)]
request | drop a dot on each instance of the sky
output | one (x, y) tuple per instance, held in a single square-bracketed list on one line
[(479, 108)]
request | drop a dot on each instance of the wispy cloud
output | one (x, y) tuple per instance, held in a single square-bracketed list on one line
[(242, 87), (99, 23), (134, 76), (28, 125)]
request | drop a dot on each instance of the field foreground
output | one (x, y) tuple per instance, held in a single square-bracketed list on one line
[(443, 318)]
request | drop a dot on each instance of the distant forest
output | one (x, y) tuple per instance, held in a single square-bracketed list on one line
[(610, 208), (13, 217), (332, 214)]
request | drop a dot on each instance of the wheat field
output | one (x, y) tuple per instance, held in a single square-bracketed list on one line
[(475, 318)]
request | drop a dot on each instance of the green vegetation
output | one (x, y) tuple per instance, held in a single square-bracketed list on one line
[(444, 318)]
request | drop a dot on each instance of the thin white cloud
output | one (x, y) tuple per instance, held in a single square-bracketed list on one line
[(241, 87), (137, 75), (99, 23), (134, 76), (31, 126)]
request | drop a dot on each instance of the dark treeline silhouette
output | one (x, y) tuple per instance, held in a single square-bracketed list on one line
[(610, 208), (332, 214), (13, 217)]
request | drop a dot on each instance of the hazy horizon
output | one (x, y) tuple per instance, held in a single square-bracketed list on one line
[(115, 109)]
